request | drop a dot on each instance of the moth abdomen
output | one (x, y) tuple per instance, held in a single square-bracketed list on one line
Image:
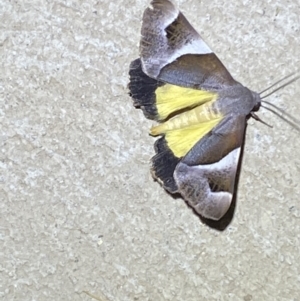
[(193, 117)]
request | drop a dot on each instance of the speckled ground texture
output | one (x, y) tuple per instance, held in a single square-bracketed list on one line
[(79, 209)]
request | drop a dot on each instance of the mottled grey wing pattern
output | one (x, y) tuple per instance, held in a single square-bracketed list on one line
[(206, 175), (172, 51)]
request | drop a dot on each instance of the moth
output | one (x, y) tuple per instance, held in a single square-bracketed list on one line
[(201, 110)]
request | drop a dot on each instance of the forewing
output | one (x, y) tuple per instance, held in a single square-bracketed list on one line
[(172, 51), (159, 100), (206, 176)]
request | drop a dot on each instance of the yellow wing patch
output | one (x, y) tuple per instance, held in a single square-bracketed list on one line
[(171, 98), (186, 128), (182, 140)]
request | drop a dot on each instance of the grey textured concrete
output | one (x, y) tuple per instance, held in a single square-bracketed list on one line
[(79, 209)]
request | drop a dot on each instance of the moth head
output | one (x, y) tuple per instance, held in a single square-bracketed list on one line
[(257, 101)]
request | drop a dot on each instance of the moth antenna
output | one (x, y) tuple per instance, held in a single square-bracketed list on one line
[(260, 120), (282, 86), (291, 120), (292, 123), (283, 112), (276, 83)]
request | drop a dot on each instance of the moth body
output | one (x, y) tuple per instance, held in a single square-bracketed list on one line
[(192, 117)]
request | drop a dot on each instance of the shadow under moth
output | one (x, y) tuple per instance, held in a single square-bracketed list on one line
[(201, 110)]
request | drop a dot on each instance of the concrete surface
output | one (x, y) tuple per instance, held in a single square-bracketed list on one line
[(79, 209)]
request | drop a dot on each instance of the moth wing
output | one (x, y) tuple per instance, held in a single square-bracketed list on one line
[(172, 51), (159, 100), (175, 145), (205, 177), (176, 69)]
